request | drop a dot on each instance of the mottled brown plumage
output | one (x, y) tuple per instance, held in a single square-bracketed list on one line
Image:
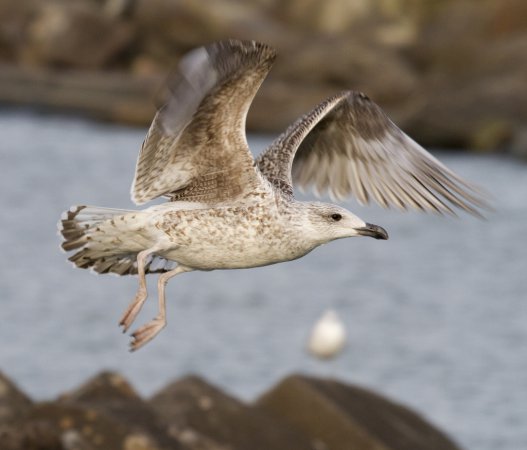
[(347, 146), (196, 148), (227, 211)]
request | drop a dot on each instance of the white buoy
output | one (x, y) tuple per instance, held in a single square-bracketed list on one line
[(328, 336)]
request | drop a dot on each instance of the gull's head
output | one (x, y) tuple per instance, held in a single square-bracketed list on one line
[(329, 222)]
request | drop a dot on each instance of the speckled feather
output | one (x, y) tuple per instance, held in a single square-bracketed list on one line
[(347, 146), (228, 211), (196, 154), (196, 148)]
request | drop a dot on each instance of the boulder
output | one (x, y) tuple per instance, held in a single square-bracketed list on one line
[(328, 17), (111, 395), (192, 406), (343, 417), (451, 73), (352, 63), (71, 427), (519, 144), (75, 34), (14, 19), (300, 413), (34, 436), (114, 97), (471, 94), (168, 29), (13, 402)]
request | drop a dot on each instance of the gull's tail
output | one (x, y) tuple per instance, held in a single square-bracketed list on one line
[(107, 240), (96, 235)]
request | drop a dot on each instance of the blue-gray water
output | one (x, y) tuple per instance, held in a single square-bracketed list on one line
[(436, 316)]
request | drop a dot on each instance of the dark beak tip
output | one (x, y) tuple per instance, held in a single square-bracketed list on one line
[(374, 231)]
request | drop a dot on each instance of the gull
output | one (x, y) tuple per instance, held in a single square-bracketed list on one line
[(328, 337), (226, 210)]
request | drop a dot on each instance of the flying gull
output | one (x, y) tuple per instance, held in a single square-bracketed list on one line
[(226, 210)]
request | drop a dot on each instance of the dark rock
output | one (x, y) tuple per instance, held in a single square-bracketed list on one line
[(451, 73), (103, 388), (73, 427), (301, 413), (75, 34), (115, 97), (30, 436), (110, 395), (192, 406), (343, 417), (279, 103), (168, 28), (13, 402), (355, 64), (472, 58), (14, 19), (519, 144)]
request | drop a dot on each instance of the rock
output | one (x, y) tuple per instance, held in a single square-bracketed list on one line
[(518, 146), (168, 29), (481, 113), (110, 395), (356, 64), (14, 19), (30, 436), (192, 406), (104, 388), (490, 136), (278, 104), (119, 8), (330, 16), (115, 97), (472, 58), (13, 402), (451, 73), (72, 427), (340, 417), (301, 413), (75, 34)]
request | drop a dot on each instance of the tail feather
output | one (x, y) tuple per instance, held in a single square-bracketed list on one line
[(90, 230)]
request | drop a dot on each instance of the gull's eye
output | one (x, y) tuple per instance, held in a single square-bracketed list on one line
[(336, 217)]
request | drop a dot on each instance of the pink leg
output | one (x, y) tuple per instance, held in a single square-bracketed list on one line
[(137, 303), (150, 330)]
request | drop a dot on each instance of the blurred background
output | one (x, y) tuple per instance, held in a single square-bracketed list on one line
[(452, 73), (435, 316)]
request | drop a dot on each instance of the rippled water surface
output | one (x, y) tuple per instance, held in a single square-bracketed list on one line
[(436, 316)]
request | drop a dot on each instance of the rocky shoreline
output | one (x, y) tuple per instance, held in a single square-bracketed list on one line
[(451, 72), (299, 413)]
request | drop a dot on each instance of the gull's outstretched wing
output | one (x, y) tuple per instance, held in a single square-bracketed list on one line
[(348, 146), (196, 148)]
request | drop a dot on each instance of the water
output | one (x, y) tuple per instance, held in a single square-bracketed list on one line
[(436, 316)]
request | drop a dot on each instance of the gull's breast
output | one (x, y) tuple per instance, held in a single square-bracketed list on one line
[(231, 238)]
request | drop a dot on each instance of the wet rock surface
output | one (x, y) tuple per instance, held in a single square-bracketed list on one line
[(451, 73), (300, 413)]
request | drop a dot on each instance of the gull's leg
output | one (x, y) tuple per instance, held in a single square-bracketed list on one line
[(137, 303), (148, 331)]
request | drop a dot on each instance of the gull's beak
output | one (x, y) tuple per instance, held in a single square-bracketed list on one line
[(375, 231)]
